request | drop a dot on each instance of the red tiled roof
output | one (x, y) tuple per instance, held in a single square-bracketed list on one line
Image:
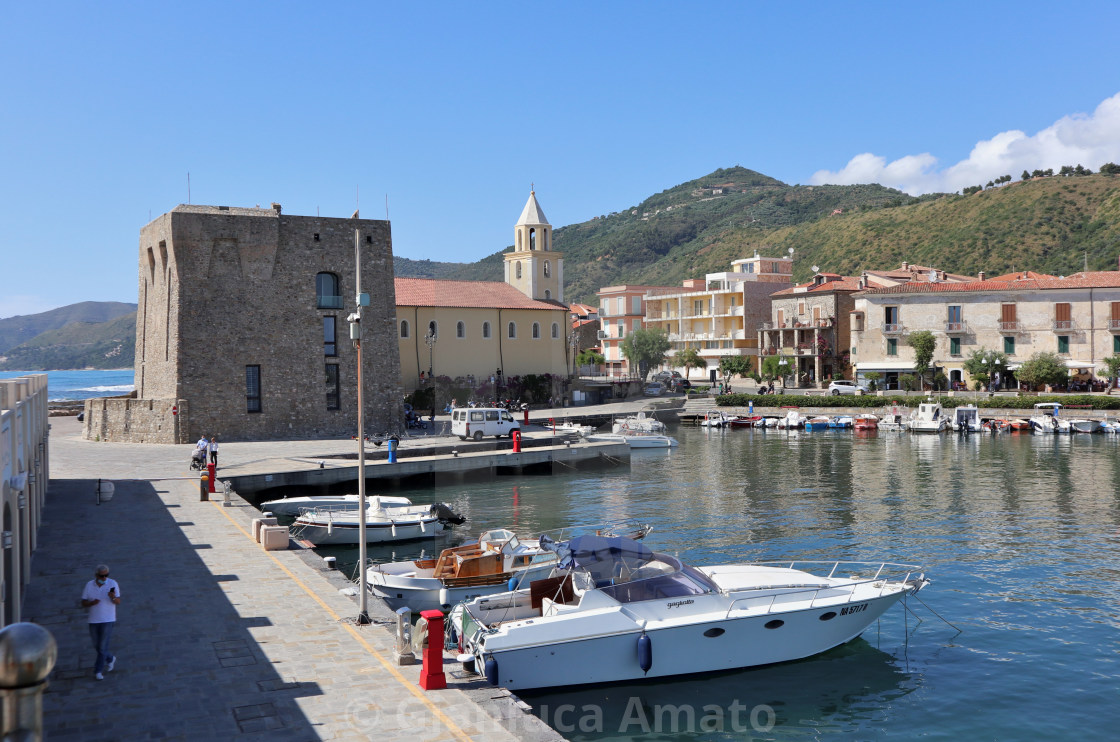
[(846, 283), (431, 292), (1019, 276), (1091, 280), (583, 309)]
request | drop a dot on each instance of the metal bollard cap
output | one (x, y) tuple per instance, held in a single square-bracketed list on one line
[(27, 655)]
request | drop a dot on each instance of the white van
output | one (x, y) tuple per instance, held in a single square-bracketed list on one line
[(477, 422)]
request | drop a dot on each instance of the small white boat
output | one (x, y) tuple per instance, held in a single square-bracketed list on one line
[(1084, 425), (715, 419), (293, 506), (841, 421), (640, 423), (966, 419), (791, 421), (928, 419), (1110, 426), (635, 440), (1047, 418), (623, 612), (569, 427), (894, 420), (387, 519)]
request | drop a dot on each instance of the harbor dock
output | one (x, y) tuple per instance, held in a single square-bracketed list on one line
[(216, 638)]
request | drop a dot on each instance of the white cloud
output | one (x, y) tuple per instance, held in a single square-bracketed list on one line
[(1080, 139)]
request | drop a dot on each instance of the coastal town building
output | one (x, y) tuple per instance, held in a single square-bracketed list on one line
[(483, 330), (1019, 314), (717, 315), (622, 310), (242, 329), (24, 472)]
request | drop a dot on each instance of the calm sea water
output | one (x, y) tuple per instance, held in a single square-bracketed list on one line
[(1020, 534), (71, 385)]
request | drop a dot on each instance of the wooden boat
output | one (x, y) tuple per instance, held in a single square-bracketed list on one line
[(866, 421)]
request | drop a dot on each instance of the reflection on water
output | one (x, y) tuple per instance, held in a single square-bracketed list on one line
[(1020, 534)]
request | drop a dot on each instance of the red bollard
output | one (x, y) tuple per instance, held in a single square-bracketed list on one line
[(517, 441), (211, 469), (526, 411), (431, 676)]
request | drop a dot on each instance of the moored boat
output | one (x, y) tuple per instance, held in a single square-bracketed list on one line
[(387, 519), (1047, 418), (865, 421), (624, 612), (928, 419), (635, 440)]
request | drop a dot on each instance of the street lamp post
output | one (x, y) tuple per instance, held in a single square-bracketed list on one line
[(360, 300), (430, 341), (782, 364)]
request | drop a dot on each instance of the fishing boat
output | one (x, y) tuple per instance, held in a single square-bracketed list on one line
[(623, 612), (498, 561), (841, 421), (816, 423), (928, 419), (966, 419), (865, 421), (894, 420), (387, 519)]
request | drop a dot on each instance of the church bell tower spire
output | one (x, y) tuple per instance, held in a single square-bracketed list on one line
[(534, 268)]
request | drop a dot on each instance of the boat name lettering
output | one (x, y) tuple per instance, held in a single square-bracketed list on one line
[(679, 603), (853, 609)]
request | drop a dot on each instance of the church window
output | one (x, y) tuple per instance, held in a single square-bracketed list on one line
[(547, 268), (519, 239), (532, 239), (460, 329), (555, 330), (512, 334), (404, 328), (432, 329), (536, 330), (327, 295), (486, 330)]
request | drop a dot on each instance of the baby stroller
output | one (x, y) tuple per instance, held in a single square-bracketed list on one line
[(198, 460)]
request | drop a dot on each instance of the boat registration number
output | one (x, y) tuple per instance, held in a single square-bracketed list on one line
[(849, 610)]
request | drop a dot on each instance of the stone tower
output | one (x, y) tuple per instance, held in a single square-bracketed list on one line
[(534, 268)]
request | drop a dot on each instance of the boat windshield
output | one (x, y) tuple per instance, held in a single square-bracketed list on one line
[(630, 572)]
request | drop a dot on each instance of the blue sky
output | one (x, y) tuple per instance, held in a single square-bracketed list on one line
[(451, 110)]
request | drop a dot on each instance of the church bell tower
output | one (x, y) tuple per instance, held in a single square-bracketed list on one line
[(534, 268)]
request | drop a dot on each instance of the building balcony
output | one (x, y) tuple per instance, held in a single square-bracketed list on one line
[(1009, 326), (956, 328), (893, 328), (1063, 325), (1114, 325)]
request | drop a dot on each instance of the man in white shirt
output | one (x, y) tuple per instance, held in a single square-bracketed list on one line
[(101, 596), (214, 450)]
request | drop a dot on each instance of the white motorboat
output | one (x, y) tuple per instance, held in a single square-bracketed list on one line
[(791, 421), (1084, 425), (715, 419), (1110, 426), (966, 419), (635, 440), (1047, 418), (497, 562), (624, 612), (928, 419), (569, 427), (894, 420), (640, 423), (294, 505), (387, 519)]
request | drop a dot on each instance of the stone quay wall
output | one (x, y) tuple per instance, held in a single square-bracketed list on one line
[(136, 420)]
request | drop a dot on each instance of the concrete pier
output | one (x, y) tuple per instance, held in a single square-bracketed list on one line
[(217, 639)]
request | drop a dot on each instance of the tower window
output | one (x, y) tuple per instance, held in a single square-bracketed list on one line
[(252, 388), (432, 329), (334, 395), (404, 328), (519, 269), (532, 239), (486, 330), (330, 347), (547, 294), (547, 268), (326, 291), (460, 329)]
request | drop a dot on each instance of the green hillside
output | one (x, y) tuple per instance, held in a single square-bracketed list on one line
[(21, 328), (1054, 225), (77, 345)]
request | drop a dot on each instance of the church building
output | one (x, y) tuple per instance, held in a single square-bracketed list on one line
[(479, 329)]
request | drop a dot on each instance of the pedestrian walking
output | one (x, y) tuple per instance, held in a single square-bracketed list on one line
[(204, 446), (101, 596), (214, 450)]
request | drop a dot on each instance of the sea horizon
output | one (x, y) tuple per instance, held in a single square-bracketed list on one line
[(72, 385)]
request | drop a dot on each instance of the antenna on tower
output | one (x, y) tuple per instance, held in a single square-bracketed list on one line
[(386, 207), (188, 186)]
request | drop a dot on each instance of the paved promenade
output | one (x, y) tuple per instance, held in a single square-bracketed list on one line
[(217, 639)]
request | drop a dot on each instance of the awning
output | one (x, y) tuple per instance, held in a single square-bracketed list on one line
[(1080, 364), (885, 366)]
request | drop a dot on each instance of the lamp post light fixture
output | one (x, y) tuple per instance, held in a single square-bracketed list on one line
[(783, 364)]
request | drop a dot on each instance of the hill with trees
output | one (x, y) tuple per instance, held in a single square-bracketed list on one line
[(77, 345), (21, 328)]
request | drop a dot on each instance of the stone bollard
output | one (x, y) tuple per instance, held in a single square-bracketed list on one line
[(27, 656), (204, 488), (404, 638), (431, 676)]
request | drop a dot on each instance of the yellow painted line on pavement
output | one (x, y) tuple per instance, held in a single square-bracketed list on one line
[(414, 689)]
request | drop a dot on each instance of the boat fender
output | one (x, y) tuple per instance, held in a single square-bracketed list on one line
[(645, 652), (393, 527), (491, 671), (420, 636), (444, 599), (512, 584)]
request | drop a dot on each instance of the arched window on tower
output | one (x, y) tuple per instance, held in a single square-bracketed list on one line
[(432, 329), (327, 295), (546, 245), (547, 294), (547, 268), (519, 239), (404, 328), (532, 239)]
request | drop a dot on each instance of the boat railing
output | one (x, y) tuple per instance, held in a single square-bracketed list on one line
[(833, 591)]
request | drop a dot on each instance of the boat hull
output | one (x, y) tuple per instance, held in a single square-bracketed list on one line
[(430, 594), (347, 532), (729, 640)]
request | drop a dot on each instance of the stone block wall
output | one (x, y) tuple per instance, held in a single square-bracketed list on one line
[(136, 420)]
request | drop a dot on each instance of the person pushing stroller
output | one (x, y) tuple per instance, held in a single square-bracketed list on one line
[(198, 458)]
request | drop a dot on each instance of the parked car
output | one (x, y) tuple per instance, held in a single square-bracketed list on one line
[(847, 386), (654, 390), (680, 385), (665, 376)]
